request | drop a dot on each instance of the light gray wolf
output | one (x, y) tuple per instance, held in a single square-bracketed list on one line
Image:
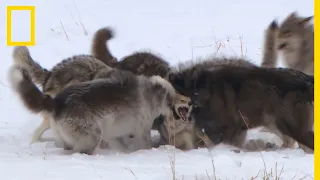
[(294, 40), (72, 70), (119, 109)]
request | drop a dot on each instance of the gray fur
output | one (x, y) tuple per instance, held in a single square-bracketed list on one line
[(70, 71), (270, 54), (119, 109), (295, 41)]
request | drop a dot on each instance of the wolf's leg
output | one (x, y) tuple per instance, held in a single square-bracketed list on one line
[(288, 142), (235, 136), (202, 139), (45, 125), (188, 139), (104, 144), (146, 142), (87, 144), (82, 135), (239, 140)]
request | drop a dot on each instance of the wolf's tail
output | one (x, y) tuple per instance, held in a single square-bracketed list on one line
[(21, 56), (270, 52), (99, 47), (31, 96)]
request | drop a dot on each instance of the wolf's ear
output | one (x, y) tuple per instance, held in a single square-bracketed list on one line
[(273, 25), (293, 15), (304, 21)]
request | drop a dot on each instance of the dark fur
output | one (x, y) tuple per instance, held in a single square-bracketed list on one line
[(99, 47), (144, 63), (227, 96), (139, 63)]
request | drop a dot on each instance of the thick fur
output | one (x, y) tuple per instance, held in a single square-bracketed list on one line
[(99, 47), (178, 132), (144, 63), (139, 63), (119, 109), (70, 71), (230, 98), (294, 39), (270, 54)]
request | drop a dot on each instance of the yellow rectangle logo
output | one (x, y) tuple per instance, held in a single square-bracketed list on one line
[(9, 25)]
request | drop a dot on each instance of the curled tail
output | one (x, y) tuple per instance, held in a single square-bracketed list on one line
[(31, 96), (269, 52), (21, 56), (99, 47)]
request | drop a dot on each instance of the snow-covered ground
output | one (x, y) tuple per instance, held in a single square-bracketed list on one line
[(179, 30)]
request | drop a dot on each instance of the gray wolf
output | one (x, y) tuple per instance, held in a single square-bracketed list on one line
[(294, 40), (229, 99), (72, 70), (119, 109)]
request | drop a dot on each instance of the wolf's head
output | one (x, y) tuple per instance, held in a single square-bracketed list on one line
[(182, 108), (291, 32)]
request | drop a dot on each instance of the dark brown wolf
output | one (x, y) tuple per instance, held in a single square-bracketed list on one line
[(139, 63), (229, 99)]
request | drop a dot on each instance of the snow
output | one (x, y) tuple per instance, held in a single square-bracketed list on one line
[(178, 30)]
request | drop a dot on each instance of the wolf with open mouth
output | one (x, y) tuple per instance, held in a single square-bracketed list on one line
[(178, 128)]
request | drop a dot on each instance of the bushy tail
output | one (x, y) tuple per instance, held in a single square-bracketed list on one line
[(270, 52), (31, 96), (99, 47), (21, 56)]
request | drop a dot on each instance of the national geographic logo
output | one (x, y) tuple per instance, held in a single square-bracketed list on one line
[(9, 25)]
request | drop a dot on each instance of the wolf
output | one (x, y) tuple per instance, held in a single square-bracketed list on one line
[(72, 70), (178, 128), (294, 39), (231, 99), (119, 109), (140, 62)]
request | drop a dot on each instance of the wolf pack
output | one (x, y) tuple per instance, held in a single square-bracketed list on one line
[(98, 101)]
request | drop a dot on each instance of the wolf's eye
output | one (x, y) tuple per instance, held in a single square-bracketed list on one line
[(287, 33)]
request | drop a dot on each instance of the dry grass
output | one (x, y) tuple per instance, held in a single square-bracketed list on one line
[(81, 26), (65, 33), (80, 19), (270, 175), (226, 43)]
